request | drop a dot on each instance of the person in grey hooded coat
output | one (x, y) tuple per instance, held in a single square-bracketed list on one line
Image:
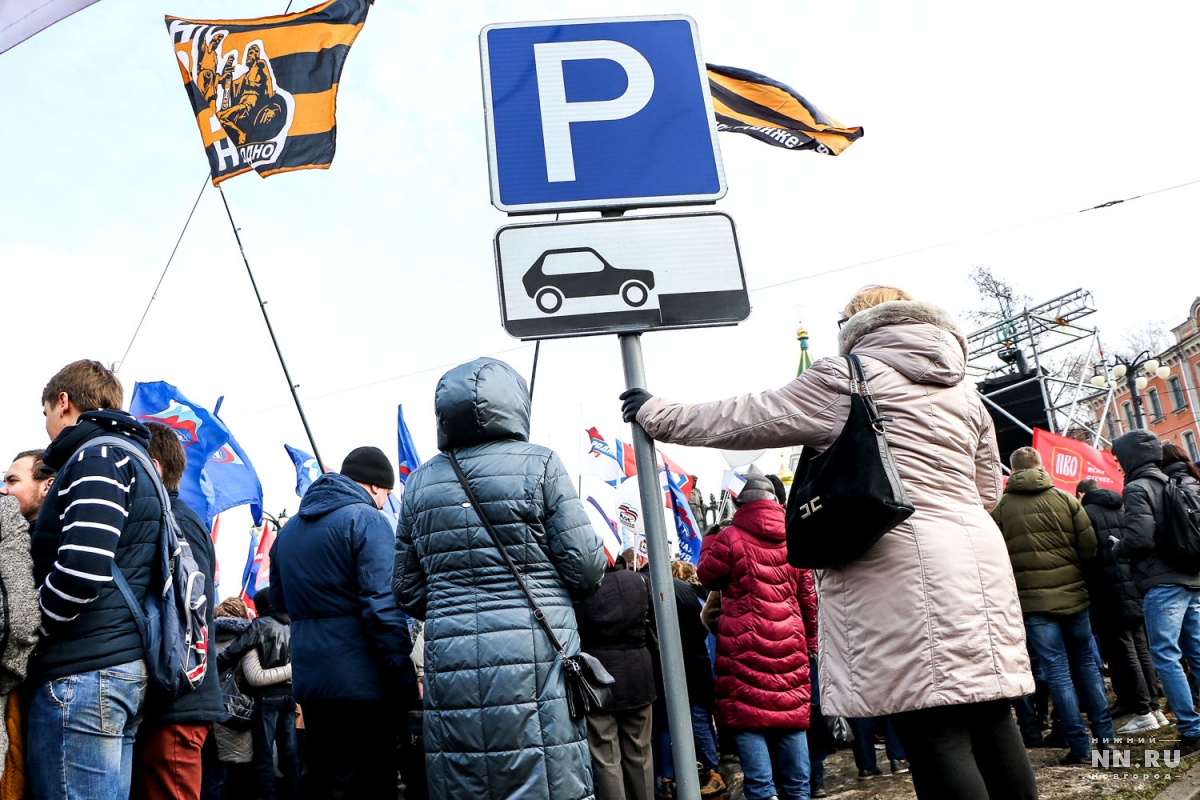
[(496, 720), (18, 596)]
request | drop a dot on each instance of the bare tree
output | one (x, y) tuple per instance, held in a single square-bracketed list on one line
[(1001, 298), (1152, 337)]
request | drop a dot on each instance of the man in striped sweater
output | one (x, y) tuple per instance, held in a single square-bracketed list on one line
[(89, 672)]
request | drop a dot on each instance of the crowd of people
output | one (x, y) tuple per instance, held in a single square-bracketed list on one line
[(430, 659)]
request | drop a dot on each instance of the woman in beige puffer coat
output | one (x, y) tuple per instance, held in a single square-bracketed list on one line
[(926, 625)]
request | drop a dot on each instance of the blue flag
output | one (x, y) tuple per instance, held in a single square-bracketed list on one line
[(229, 479), (250, 572), (200, 433), (218, 475), (409, 460), (686, 528), (307, 470)]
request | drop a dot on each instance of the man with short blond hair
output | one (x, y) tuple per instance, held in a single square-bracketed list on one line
[(88, 674), (26, 481), (1049, 536)]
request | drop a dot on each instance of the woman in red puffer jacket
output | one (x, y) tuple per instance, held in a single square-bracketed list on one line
[(768, 626)]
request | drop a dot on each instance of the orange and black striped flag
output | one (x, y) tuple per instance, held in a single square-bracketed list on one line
[(263, 90), (746, 102)]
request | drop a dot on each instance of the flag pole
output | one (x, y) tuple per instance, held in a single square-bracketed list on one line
[(263, 308)]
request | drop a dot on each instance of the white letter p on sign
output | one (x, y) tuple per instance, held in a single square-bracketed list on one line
[(558, 114)]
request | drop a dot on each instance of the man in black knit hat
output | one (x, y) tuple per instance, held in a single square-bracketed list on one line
[(331, 571)]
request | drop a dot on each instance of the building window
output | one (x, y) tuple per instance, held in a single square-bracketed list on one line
[(1175, 387), (1189, 441), (1110, 423), (1155, 406), (1130, 420)]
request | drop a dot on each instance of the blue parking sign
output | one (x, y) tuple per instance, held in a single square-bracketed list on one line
[(598, 113)]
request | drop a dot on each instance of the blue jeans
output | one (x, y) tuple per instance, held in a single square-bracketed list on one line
[(704, 737), (771, 754), (81, 732), (1173, 629), (1063, 642)]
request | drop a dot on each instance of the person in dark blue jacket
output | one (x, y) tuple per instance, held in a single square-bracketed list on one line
[(331, 571), (171, 738)]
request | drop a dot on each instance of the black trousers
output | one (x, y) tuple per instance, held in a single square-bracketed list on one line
[(356, 749), (1133, 677), (966, 752)]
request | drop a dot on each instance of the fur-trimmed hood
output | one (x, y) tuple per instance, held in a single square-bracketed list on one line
[(917, 339)]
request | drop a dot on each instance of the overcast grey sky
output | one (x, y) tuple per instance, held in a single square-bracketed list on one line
[(379, 272)]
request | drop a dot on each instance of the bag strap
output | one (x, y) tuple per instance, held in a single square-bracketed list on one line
[(538, 614), (859, 386)]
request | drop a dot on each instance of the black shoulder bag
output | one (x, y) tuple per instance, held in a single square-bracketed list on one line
[(848, 496), (587, 680)]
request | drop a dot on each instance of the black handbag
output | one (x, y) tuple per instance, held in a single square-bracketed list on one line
[(587, 680), (849, 495), (238, 705)]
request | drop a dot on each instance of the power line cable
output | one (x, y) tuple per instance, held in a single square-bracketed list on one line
[(961, 239)]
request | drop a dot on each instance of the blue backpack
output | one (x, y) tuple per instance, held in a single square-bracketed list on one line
[(171, 618)]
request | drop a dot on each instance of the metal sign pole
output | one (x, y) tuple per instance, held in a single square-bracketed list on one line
[(670, 647)]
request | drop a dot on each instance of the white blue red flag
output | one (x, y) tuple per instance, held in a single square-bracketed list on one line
[(612, 461), (257, 574), (409, 460)]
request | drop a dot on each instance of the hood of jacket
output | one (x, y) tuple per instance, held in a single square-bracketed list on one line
[(481, 401), (1029, 481), (1137, 449), (1105, 498), (918, 340), (90, 425), (763, 519), (230, 626), (330, 492)]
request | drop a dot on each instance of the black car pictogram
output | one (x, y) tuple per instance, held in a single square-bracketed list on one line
[(582, 272)]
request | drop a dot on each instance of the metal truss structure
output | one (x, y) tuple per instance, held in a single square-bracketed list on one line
[(1043, 345)]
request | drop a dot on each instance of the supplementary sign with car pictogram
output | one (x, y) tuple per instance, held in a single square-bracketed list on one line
[(620, 275), (598, 113)]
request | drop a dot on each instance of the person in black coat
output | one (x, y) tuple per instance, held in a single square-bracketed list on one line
[(167, 759), (1116, 612), (616, 626), (1171, 597)]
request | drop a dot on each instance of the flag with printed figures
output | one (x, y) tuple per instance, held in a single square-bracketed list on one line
[(753, 104), (264, 90)]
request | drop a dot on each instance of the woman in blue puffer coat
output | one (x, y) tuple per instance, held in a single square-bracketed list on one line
[(496, 719)]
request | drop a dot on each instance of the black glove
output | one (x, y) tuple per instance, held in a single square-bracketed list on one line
[(632, 401)]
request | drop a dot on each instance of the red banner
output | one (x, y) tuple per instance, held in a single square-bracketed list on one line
[(1069, 461)]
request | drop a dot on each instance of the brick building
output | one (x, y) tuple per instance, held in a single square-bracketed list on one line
[(1168, 405)]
